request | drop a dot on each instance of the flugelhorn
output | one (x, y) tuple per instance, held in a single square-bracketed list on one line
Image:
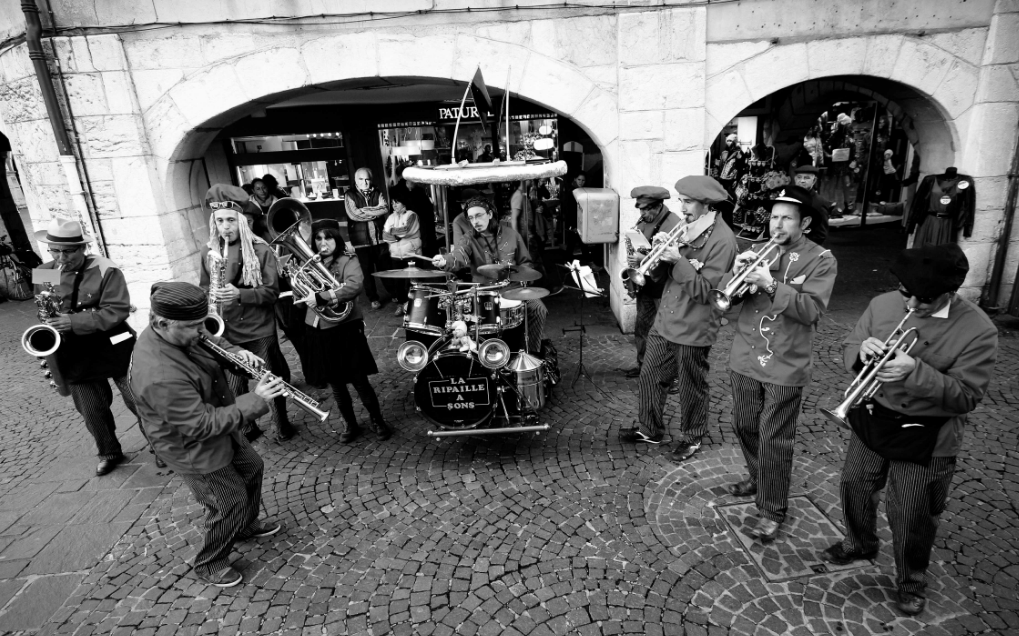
[(865, 385), (636, 277), (722, 298), (256, 372)]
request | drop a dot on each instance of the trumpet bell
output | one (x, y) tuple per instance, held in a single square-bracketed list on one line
[(632, 276), (839, 416), (40, 340), (214, 325), (720, 299)]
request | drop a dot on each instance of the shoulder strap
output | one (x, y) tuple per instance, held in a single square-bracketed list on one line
[(77, 281)]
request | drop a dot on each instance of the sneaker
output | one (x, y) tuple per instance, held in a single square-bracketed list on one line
[(259, 530), (684, 451), (634, 436), (764, 530), (910, 604), (838, 555), (227, 578)]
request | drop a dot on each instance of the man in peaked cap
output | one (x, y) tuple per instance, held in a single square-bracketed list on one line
[(907, 437), (770, 361), (686, 324), (655, 217), (194, 421)]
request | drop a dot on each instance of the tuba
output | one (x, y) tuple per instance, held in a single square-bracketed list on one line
[(302, 266)]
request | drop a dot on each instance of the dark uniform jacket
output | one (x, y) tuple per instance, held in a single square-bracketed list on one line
[(251, 315), (190, 416), (954, 356)]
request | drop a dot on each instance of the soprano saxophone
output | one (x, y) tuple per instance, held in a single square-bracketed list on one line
[(256, 372), (214, 323)]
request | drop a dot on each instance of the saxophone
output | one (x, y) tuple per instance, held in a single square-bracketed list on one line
[(214, 323), (43, 340)]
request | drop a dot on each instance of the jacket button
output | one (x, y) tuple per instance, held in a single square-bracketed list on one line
[(752, 347)]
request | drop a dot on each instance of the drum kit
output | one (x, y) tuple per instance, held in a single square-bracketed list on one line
[(460, 339)]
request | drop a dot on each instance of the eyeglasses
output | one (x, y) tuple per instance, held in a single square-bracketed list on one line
[(224, 205), (908, 294), (63, 252)]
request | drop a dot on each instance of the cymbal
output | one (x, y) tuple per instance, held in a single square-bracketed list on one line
[(410, 272), (493, 270), (525, 293), (522, 274)]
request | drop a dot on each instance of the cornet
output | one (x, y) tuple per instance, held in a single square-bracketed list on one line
[(722, 298), (865, 385)]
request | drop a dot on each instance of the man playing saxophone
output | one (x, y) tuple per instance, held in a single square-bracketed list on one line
[(686, 324), (770, 361), (655, 217), (96, 341), (246, 300), (907, 437)]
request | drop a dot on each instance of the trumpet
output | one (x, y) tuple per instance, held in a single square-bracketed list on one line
[(636, 277), (722, 298), (256, 372), (865, 385), (214, 323)]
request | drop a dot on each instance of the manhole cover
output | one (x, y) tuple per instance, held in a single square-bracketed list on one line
[(793, 554)]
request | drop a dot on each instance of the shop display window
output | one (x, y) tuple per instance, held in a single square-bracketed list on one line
[(308, 166)]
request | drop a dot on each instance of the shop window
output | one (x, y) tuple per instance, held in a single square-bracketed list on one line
[(308, 166)]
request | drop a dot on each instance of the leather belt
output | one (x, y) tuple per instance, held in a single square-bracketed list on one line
[(944, 215)]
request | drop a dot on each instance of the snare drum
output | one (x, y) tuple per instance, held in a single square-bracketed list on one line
[(511, 312), (424, 313), (488, 312), (455, 391)]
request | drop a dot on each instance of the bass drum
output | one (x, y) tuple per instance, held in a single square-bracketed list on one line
[(455, 391)]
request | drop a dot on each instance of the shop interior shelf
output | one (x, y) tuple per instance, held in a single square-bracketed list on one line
[(853, 220)]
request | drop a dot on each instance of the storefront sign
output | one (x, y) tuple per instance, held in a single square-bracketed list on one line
[(469, 112)]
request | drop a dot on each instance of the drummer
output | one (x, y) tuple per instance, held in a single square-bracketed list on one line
[(489, 243)]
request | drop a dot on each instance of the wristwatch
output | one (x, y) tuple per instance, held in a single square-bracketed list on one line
[(770, 289)]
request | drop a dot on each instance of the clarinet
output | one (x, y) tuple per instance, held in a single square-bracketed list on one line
[(256, 372)]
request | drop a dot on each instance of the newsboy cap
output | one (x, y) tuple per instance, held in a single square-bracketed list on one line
[(931, 270), (702, 188), (649, 194), (179, 301)]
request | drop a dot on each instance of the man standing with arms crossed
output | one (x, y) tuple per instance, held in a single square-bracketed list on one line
[(367, 209), (770, 360)]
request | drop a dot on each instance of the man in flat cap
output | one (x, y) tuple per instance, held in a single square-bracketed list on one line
[(194, 421), (686, 324), (770, 361), (655, 217), (96, 341), (907, 437)]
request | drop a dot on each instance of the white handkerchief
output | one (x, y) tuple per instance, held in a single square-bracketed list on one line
[(120, 337), (798, 280)]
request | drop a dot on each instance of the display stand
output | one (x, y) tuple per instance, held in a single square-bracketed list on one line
[(581, 287)]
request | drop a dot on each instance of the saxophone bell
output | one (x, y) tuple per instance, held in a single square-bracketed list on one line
[(40, 341)]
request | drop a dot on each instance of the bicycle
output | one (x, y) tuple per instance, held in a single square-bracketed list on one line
[(15, 275)]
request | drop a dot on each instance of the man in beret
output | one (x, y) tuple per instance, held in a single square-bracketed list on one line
[(687, 323), (655, 217), (770, 361), (907, 437), (194, 422)]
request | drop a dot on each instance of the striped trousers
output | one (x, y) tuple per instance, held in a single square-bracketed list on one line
[(268, 349), (231, 497), (916, 498), (537, 313), (93, 400), (764, 418), (647, 309), (663, 361)]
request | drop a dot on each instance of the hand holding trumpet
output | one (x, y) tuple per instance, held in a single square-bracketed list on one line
[(897, 368)]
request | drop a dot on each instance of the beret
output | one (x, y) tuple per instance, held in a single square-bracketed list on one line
[(321, 224), (226, 192), (179, 301), (702, 188), (809, 169), (801, 197), (931, 270), (648, 193)]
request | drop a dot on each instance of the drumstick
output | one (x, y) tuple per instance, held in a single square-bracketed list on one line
[(422, 258)]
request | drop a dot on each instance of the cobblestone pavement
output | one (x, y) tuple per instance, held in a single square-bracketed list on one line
[(569, 532)]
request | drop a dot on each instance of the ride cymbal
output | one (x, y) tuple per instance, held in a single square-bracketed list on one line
[(522, 274), (410, 272), (525, 293)]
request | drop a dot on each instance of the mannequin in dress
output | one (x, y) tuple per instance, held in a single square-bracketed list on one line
[(944, 204)]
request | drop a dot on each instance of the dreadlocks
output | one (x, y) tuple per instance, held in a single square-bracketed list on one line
[(251, 274)]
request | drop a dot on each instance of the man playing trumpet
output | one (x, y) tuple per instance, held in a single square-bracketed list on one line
[(908, 435), (686, 324), (770, 360)]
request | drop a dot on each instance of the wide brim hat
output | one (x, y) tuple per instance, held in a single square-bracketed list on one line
[(63, 232)]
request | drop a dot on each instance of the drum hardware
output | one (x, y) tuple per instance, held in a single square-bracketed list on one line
[(722, 298), (537, 429)]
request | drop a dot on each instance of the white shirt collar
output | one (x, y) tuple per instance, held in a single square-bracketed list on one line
[(943, 312)]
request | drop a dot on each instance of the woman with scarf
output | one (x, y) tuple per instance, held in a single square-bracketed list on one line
[(261, 195), (402, 232)]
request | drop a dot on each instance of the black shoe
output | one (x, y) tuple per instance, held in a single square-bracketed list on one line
[(910, 604), (160, 463), (745, 488), (227, 578), (260, 530), (633, 373), (634, 436), (350, 433), (106, 466), (765, 530), (286, 433), (382, 429), (253, 433), (684, 451), (838, 555), (674, 389)]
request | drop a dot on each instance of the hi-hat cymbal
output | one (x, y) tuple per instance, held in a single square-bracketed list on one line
[(525, 293), (521, 274), (410, 272)]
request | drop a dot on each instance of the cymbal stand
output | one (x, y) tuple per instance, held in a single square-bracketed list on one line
[(581, 368)]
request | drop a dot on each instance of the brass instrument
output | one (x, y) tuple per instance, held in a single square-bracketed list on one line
[(303, 267), (635, 278), (865, 385), (214, 323), (257, 372), (722, 298), (43, 340)]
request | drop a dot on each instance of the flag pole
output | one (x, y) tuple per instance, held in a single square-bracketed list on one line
[(456, 129), (505, 98)]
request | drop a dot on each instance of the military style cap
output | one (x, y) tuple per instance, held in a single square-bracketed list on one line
[(805, 199), (649, 194)]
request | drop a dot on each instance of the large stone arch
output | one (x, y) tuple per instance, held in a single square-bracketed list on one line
[(932, 88)]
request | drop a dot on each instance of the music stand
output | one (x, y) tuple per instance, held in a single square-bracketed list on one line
[(583, 288)]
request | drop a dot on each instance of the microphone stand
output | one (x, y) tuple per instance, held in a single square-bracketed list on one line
[(581, 368)]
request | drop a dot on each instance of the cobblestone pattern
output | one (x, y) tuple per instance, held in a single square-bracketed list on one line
[(566, 532)]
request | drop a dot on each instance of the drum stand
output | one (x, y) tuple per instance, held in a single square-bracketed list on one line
[(581, 369)]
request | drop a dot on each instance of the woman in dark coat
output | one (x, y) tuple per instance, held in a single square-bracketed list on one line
[(337, 353)]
